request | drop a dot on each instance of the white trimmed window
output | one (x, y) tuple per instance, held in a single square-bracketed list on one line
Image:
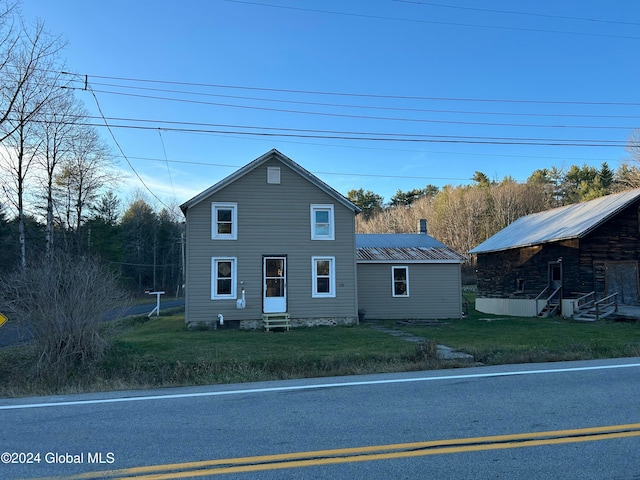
[(324, 277), (400, 281), (223, 278), (322, 222), (224, 221)]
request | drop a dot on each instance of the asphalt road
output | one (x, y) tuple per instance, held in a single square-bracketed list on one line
[(12, 333), (570, 420)]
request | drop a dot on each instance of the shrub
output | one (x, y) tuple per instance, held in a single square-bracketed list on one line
[(62, 302)]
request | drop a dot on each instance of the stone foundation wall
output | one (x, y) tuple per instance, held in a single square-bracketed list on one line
[(304, 322)]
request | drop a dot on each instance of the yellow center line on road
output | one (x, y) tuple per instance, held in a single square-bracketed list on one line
[(362, 454)]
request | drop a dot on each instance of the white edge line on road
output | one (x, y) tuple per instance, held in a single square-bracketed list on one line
[(311, 387)]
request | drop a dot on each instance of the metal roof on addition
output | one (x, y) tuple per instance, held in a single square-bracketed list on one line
[(386, 247)]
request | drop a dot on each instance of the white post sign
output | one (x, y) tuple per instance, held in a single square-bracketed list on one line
[(157, 307)]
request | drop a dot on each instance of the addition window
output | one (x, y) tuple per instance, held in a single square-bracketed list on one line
[(224, 221), (324, 277), (322, 223), (223, 278), (400, 281)]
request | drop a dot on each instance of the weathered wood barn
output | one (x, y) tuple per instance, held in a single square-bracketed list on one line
[(565, 261)]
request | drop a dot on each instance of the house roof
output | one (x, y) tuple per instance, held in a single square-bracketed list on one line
[(271, 154), (563, 223), (403, 247)]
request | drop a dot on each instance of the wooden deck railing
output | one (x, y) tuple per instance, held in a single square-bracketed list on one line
[(546, 300), (587, 306), (605, 304), (586, 300)]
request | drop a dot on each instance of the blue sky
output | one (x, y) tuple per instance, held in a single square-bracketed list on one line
[(460, 85)]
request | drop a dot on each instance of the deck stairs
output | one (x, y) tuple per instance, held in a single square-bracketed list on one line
[(588, 309), (549, 310), (550, 303)]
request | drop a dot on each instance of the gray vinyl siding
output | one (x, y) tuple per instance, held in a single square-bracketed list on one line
[(434, 291), (273, 220)]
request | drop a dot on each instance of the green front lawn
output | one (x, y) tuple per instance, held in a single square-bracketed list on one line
[(163, 352), (496, 340)]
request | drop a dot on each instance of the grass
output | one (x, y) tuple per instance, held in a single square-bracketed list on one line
[(500, 340), (162, 352)]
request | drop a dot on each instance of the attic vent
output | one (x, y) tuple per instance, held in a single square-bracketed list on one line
[(273, 175)]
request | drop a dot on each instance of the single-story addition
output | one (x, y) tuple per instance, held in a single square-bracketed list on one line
[(408, 276), (573, 260), (274, 243)]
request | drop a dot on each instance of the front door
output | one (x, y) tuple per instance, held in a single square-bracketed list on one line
[(555, 275), (555, 282), (274, 290)]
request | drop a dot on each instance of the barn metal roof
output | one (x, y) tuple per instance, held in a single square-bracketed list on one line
[(404, 247), (563, 223)]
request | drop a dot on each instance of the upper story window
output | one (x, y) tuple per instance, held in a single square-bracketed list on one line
[(224, 221), (400, 281), (322, 222)]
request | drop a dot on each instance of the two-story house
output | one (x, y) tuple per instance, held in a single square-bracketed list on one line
[(271, 238)]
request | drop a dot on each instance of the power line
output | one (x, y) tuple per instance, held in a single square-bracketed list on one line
[(432, 152), (164, 126), (167, 162), (364, 95), (472, 140), (347, 174), (115, 140), (354, 116), (376, 107), (372, 175), (511, 12), (431, 22)]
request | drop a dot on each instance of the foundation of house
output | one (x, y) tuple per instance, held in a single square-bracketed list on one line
[(303, 322)]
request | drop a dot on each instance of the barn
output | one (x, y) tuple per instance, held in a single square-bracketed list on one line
[(579, 260)]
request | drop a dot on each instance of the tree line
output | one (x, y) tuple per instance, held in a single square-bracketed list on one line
[(58, 181), (466, 215), (58, 176)]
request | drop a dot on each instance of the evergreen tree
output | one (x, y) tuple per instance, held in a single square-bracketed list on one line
[(368, 201), (607, 178), (139, 226), (481, 179), (8, 253)]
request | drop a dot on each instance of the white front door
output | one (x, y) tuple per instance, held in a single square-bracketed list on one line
[(274, 290)]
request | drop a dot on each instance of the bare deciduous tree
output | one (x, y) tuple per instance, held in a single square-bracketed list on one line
[(26, 88), (26, 56), (628, 174), (84, 174), (59, 120)]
